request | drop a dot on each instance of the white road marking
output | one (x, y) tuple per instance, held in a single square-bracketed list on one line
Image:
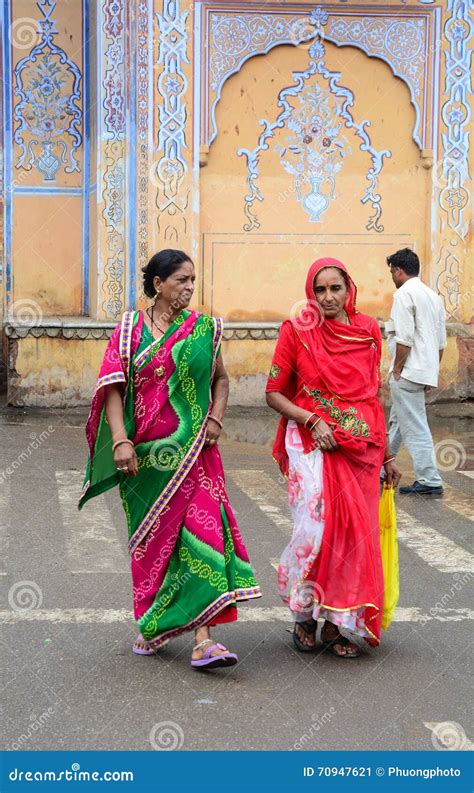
[(458, 501), (434, 548), (431, 546), (92, 541), (449, 734), (249, 614), (269, 496), (469, 474), (4, 520)]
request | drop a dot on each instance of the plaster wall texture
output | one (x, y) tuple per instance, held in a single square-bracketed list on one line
[(256, 136)]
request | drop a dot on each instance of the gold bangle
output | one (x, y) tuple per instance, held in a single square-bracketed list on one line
[(388, 460), (124, 440), (218, 421), (309, 419)]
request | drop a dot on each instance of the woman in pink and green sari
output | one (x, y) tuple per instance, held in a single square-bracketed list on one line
[(156, 416)]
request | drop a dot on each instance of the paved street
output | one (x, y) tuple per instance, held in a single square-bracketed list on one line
[(72, 682)]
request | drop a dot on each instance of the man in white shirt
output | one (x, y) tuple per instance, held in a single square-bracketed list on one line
[(416, 334)]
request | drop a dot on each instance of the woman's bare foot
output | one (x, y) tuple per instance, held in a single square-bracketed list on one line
[(305, 634), (339, 645), (203, 639), (141, 646)]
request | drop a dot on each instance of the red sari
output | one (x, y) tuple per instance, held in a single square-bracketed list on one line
[(332, 369)]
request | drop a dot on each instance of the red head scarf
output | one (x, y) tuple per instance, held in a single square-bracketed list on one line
[(343, 355), (321, 264)]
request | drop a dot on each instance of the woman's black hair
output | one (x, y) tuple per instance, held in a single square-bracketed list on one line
[(345, 276), (162, 264)]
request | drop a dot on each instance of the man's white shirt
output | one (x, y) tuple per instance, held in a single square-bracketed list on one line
[(418, 321)]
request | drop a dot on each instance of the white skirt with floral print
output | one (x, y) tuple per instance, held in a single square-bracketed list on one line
[(305, 497)]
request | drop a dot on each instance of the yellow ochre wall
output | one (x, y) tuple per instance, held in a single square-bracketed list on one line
[(171, 127)]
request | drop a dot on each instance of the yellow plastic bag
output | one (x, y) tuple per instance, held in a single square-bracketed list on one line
[(389, 547)]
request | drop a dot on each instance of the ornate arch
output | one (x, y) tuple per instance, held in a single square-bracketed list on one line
[(230, 33)]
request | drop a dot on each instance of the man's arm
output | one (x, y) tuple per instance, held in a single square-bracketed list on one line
[(401, 356)]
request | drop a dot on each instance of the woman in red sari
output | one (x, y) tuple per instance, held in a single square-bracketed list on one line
[(331, 442)]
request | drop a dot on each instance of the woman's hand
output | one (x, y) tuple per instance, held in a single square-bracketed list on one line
[(392, 474), (213, 432), (125, 459), (323, 435)]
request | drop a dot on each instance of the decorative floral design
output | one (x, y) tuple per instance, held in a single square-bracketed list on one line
[(456, 115), (113, 187), (347, 418), (316, 146), (282, 577), (401, 39), (327, 127), (400, 42), (144, 45), (295, 482), (302, 553), (315, 506), (172, 199), (47, 84), (274, 371)]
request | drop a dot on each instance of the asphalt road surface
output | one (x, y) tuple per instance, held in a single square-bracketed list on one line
[(71, 681)]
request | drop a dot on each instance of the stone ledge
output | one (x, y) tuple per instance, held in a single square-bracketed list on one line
[(85, 328)]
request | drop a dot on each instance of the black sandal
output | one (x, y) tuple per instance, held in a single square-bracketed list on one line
[(309, 627), (342, 641)]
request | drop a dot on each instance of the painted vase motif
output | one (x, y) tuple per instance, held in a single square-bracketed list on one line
[(316, 202)]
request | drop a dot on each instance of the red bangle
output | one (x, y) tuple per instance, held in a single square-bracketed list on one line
[(315, 422)]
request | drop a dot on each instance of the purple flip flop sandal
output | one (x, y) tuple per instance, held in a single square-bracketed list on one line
[(138, 651), (212, 661)]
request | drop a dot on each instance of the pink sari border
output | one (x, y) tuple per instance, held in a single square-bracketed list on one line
[(126, 338)]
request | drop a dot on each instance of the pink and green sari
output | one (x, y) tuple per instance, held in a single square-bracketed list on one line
[(189, 562)]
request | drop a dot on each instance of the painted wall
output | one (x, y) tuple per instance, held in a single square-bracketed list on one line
[(257, 136)]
